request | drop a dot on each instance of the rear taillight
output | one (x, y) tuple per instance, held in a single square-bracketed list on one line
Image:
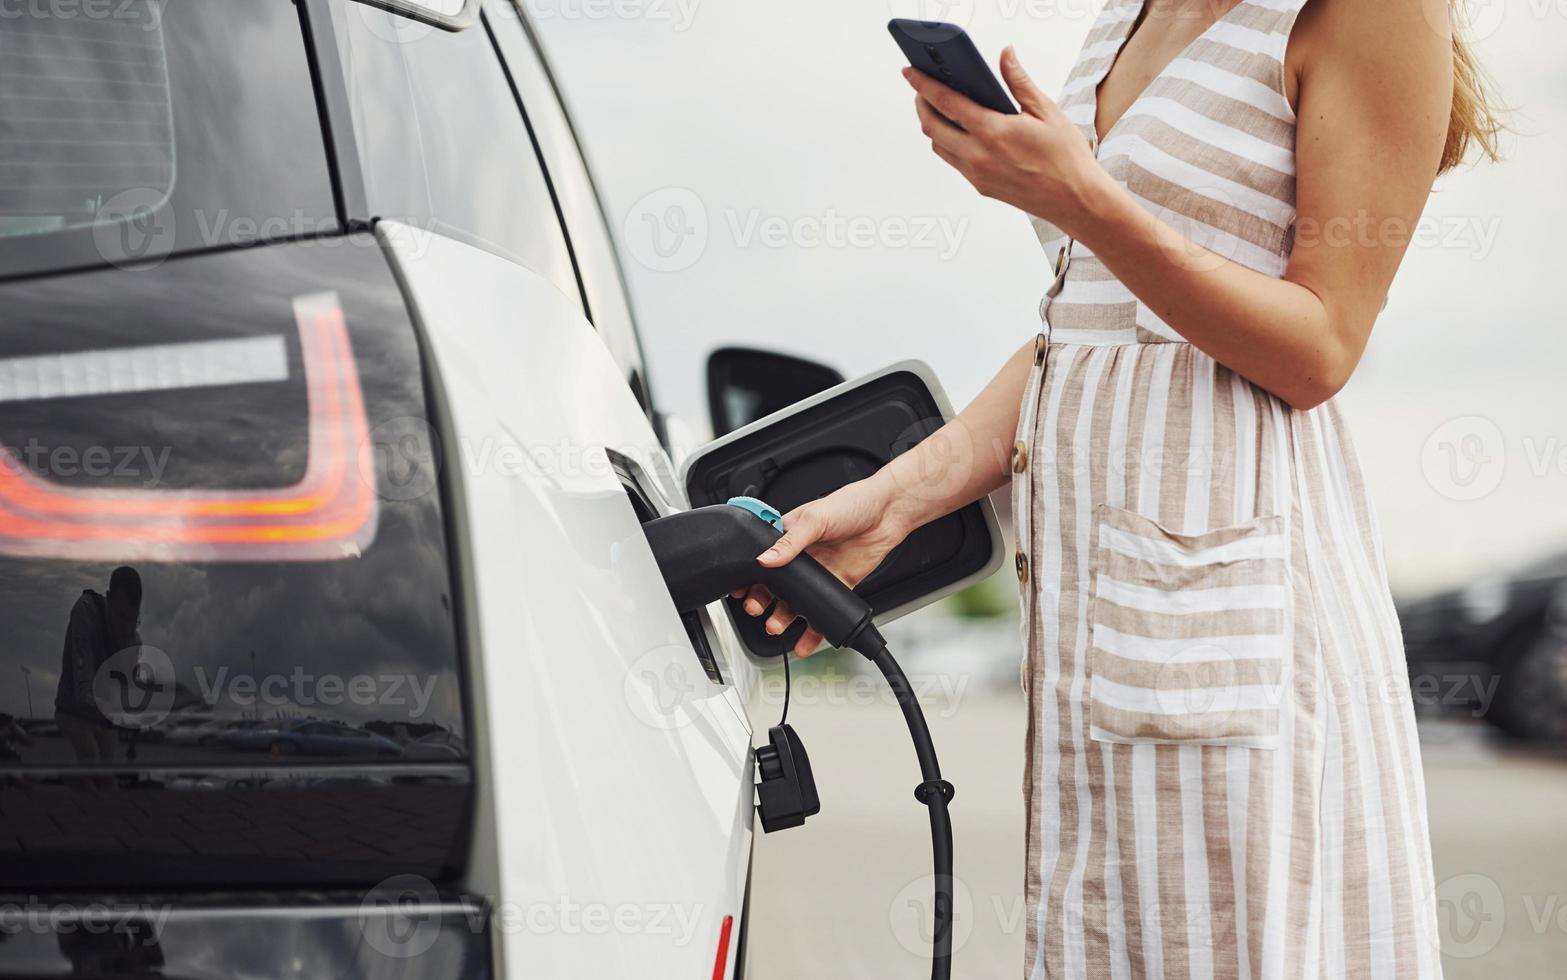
[(329, 514)]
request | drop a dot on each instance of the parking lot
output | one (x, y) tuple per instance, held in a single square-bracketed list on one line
[(846, 896)]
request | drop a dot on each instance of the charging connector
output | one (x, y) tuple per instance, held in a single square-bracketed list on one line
[(706, 553)]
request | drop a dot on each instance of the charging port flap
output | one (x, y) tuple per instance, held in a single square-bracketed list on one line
[(844, 434)]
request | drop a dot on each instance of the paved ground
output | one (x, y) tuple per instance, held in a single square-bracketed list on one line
[(843, 897)]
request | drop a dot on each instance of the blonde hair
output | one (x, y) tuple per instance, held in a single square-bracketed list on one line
[(1475, 120)]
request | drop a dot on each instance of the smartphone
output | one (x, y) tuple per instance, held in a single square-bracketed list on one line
[(946, 53)]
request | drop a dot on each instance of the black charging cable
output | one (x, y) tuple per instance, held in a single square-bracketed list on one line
[(783, 719), (933, 791)]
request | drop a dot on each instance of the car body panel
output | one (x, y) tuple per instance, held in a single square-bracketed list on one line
[(599, 791)]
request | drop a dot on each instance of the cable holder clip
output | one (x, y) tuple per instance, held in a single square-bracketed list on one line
[(923, 791)]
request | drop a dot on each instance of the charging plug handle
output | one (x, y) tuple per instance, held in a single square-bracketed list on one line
[(706, 553)]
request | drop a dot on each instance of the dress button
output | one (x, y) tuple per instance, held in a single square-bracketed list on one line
[(1022, 568), (1039, 349), (1019, 457)]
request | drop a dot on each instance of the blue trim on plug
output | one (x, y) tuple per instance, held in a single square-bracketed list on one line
[(760, 508)]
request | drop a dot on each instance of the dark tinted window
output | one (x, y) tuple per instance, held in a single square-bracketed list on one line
[(442, 140), (137, 128)]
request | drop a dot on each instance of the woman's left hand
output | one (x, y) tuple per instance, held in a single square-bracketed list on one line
[(1036, 160)]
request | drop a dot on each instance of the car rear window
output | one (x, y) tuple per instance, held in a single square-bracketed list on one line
[(136, 129)]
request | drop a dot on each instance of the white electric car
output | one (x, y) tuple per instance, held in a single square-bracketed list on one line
[(310, 318)]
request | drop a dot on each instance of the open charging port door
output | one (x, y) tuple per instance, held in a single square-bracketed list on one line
[(833, 438)]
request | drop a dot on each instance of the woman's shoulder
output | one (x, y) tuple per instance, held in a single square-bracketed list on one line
[(1375, 36)]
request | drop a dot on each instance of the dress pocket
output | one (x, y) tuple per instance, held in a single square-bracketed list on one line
[(1189, 633)]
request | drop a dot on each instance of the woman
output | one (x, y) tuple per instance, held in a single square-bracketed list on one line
[(1223, 778)]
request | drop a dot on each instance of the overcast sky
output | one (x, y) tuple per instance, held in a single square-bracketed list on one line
[(764, 168)]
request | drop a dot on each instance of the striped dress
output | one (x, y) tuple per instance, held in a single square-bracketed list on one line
[(1223, 778)]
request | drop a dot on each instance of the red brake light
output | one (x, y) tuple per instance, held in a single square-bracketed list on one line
[(330, 513)]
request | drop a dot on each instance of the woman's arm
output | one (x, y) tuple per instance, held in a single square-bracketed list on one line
[(852, 529), (968, 457), (1374, 93)]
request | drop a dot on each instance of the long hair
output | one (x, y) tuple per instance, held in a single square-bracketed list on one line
[(1476, 119)]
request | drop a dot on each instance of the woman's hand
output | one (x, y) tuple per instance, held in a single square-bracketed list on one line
[(849, 531), (1036, 160)]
